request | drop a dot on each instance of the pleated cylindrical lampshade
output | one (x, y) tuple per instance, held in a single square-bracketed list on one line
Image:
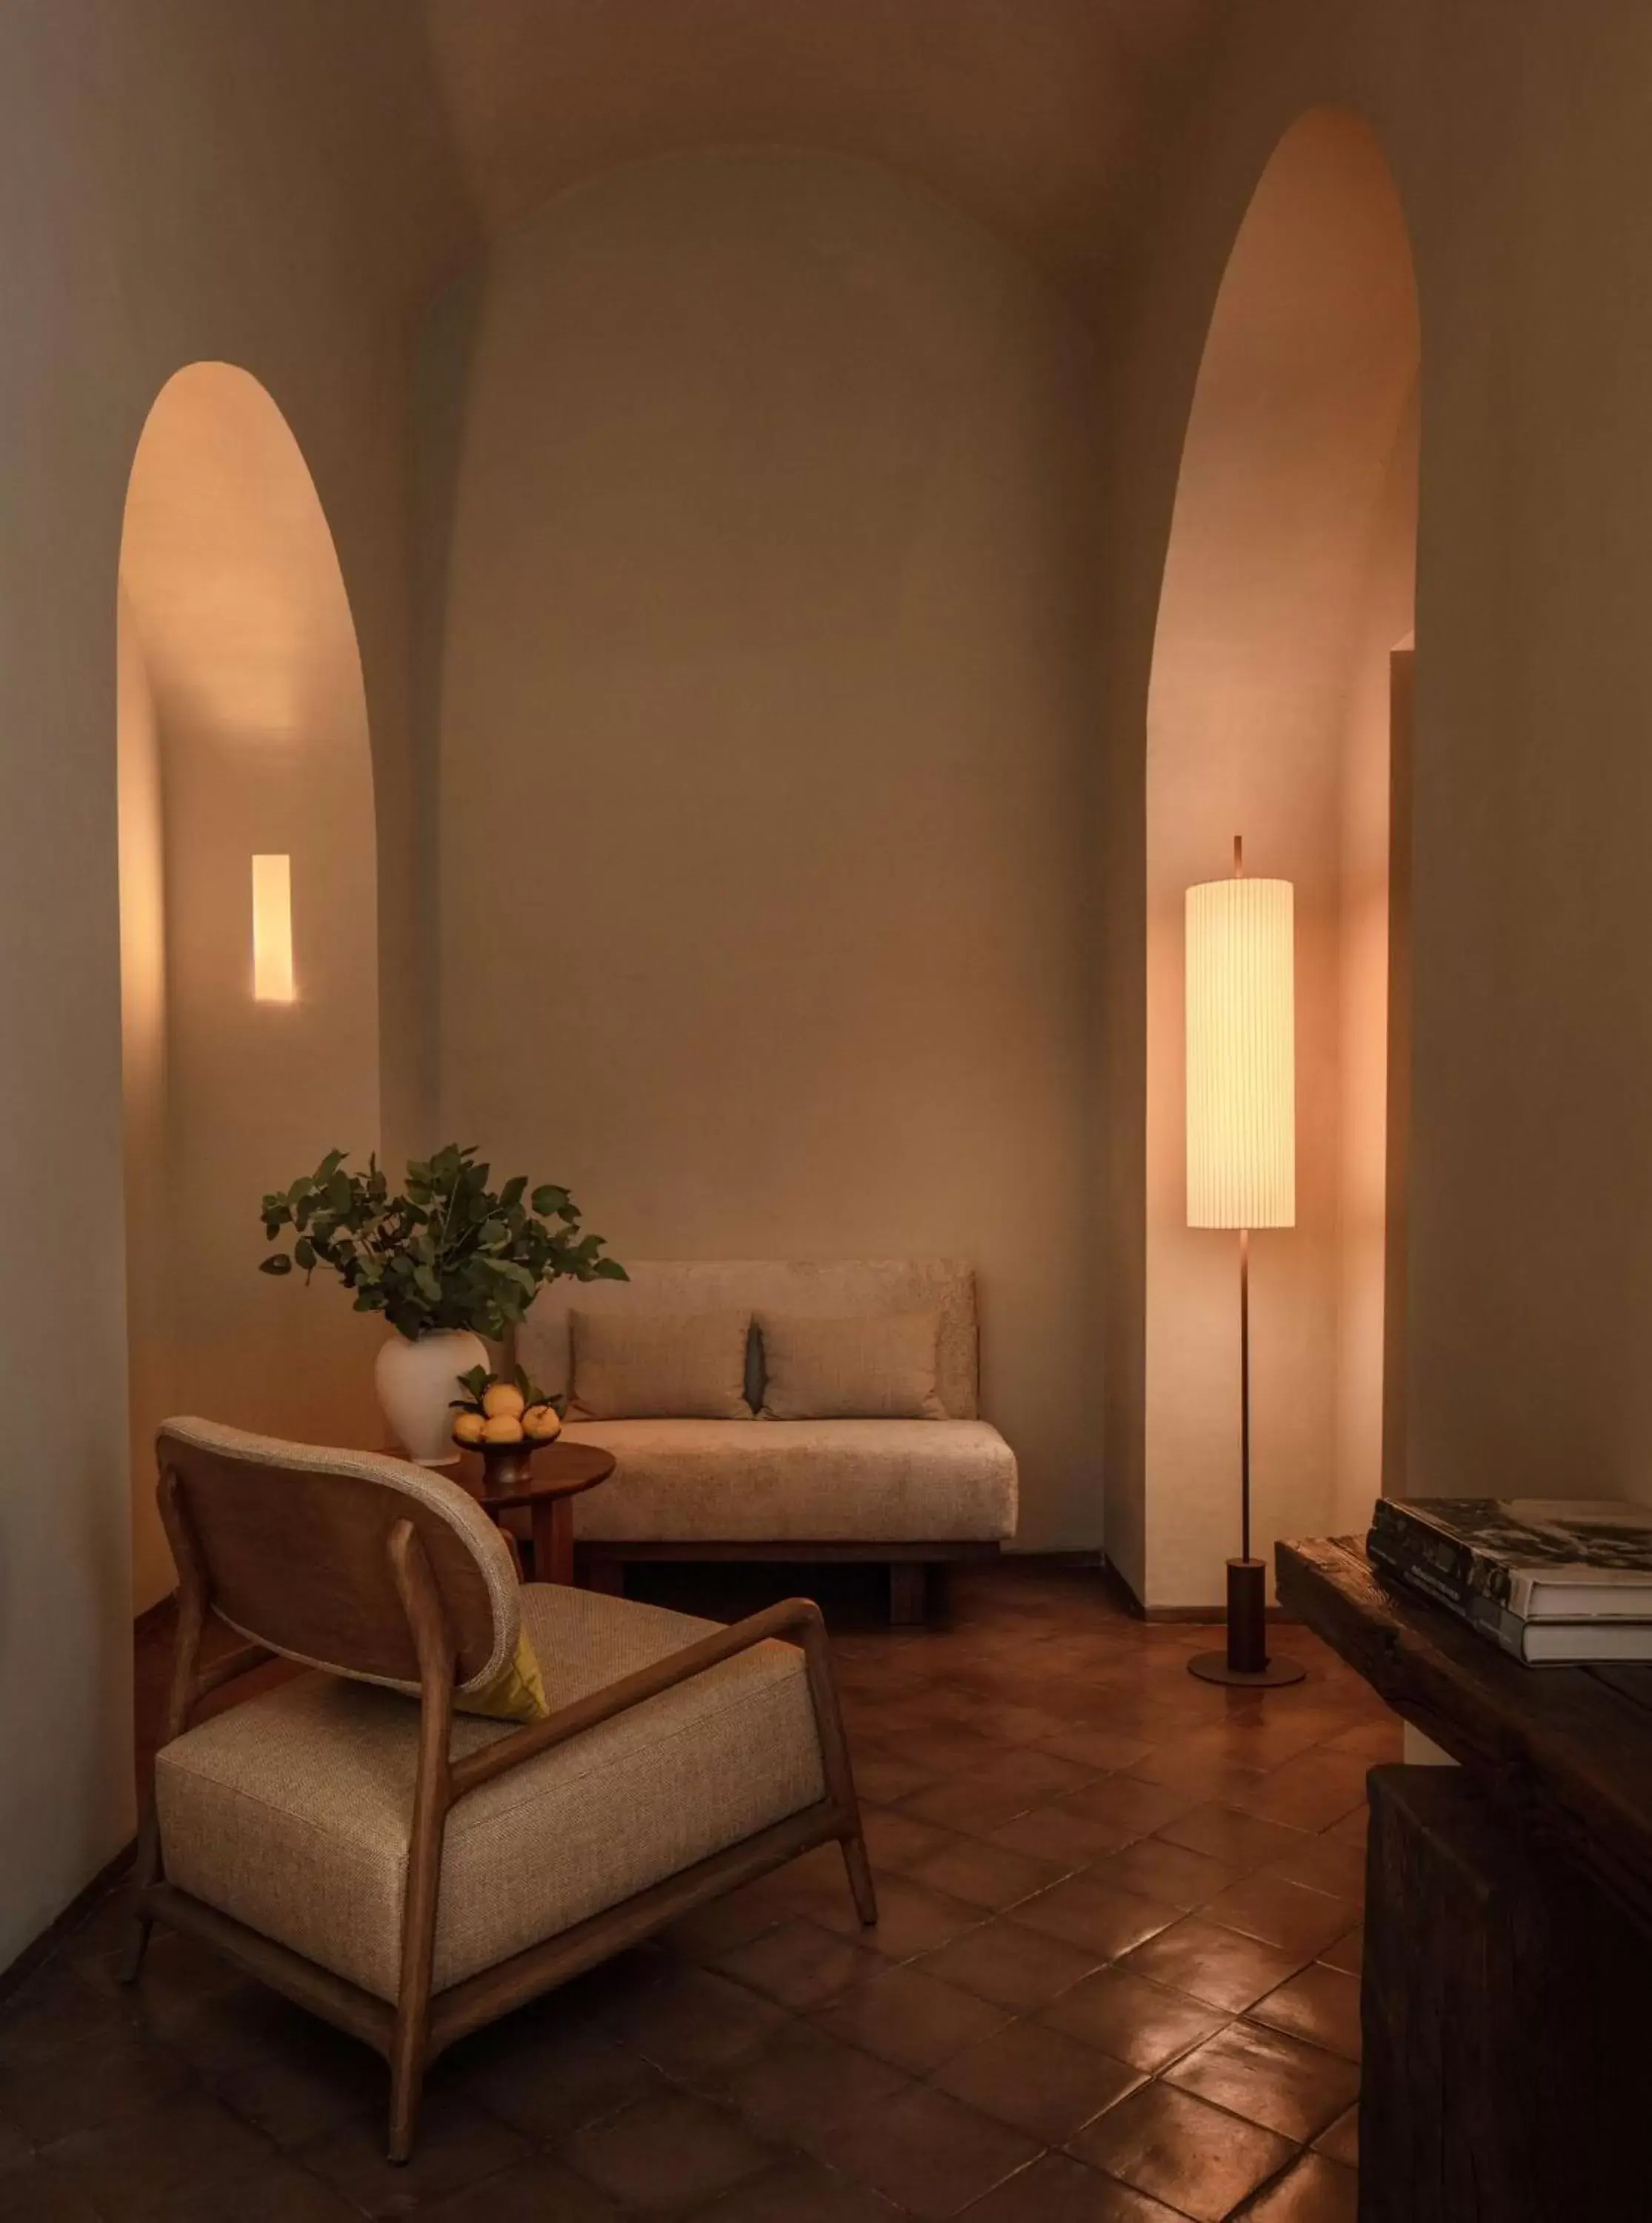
[(1242, 1055)]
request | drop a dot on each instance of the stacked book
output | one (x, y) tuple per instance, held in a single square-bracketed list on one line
[(1548, 1579)]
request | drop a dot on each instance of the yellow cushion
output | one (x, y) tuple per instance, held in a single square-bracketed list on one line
[(517, 1693)]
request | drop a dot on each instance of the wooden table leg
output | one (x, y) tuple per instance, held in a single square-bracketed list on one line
[(553, 1540)]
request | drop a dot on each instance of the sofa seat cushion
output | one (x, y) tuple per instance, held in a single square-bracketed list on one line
[(292, 1812), (820, 1482)]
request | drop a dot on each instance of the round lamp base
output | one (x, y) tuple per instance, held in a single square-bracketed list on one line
[(1213, 1668)]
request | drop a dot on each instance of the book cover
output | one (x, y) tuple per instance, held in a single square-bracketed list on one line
[(1540, 1558), (1533, 1642)]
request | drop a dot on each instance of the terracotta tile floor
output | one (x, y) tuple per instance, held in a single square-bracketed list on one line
[(1115, 1980)]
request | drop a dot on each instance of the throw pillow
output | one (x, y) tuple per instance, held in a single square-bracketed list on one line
[(880, 1368), (517, 1693), (665, 1366)]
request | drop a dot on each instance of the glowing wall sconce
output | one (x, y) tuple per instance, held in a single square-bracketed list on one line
[(273, 930), (1241, 1159)]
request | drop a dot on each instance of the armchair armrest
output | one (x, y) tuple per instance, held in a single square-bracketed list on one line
[(508, 1751)]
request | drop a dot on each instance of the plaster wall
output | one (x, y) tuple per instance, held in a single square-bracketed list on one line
[(255, 739), (1289, 554), (177, 182), (766, 727), (1518, 145)]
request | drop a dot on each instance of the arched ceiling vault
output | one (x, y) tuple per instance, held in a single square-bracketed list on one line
[(1033, 115)]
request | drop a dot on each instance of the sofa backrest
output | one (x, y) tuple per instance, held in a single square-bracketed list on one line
[(824, 1288)]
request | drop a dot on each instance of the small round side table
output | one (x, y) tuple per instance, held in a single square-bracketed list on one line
[(559, 1473)]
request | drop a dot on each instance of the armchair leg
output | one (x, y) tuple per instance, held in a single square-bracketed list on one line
[(406, 2086), (860, 1877), (146, 1870)]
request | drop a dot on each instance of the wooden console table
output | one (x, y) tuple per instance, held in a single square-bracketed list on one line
[(1507, 2001)]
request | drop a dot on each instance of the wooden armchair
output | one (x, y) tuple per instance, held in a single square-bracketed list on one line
[(410, 1871)]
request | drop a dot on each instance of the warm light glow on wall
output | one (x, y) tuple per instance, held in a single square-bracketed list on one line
[(1241, 1083), (273, 929)]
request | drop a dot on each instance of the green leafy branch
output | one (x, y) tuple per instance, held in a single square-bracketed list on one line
[(445, 1252)]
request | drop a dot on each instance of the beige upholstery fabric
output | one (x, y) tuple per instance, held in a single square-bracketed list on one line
[(631, 1364), (292, 1812), (833, 1288), (442, 1496), (878, 1367), (820, 1482)]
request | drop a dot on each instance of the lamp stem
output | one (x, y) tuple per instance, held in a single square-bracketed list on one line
[(1245, 1392)]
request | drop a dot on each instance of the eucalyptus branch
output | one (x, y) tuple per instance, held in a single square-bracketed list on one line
[(446, 1252)]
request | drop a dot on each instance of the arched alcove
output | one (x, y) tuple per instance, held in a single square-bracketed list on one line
[(242, 732), (1288, 584)]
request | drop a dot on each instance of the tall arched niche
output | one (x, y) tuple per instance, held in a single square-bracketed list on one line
[(242, 731), (1288, 587)]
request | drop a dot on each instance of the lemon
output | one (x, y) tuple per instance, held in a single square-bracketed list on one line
[(504, 1401), (542, 1423), (502, 1428), (468, 1427)]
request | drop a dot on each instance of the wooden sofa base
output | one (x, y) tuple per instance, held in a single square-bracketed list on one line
[(482, 1999), (916, 1570)]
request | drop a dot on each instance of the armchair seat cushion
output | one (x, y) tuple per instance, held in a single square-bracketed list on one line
[(293, 1811), (819, 1481)]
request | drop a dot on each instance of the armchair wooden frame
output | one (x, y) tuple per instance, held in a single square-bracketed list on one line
[(421, 2024)]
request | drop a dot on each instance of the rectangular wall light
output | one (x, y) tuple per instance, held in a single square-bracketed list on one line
[(273, 929)]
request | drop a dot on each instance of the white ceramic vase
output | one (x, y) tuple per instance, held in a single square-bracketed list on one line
[(417, 1383)]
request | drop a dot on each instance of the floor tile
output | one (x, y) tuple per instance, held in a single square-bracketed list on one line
[(1342, 2140), (531, 2191), (1037, 2080), (1319, 2003), (1312, 1792), (1055, 1833), (1096, 1916), (1325, 1864), (1134, 2021), (1218, 1966), (1056, 2188), (1316, 2191), (912, 2017), (896, 1839), (696, 2021), (800, 2191), (546, 2081), (799, 1964), (279, 2191), (987, 1876), (886, 1776), (457, 2145), (1012, 1966), (673, 2152), (1130, 1805), (1167, 1873), (1288, 1915), (113, 2075), (1107, 1750), (928, 2153), (1270, 2078), (1194, 2157), (913, 1918), (805, 2080), (1243, 1841), (1348, 1954), (134, 2166)]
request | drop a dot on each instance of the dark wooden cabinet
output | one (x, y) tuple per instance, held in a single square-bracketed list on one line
[(1507, 1996)]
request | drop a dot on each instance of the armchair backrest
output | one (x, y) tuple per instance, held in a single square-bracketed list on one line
[(292, 1544)]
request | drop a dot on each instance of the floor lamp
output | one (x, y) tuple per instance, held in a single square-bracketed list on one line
[(1242, 1162)]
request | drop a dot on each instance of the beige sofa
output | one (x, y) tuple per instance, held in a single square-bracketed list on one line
[(915, 1493)]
